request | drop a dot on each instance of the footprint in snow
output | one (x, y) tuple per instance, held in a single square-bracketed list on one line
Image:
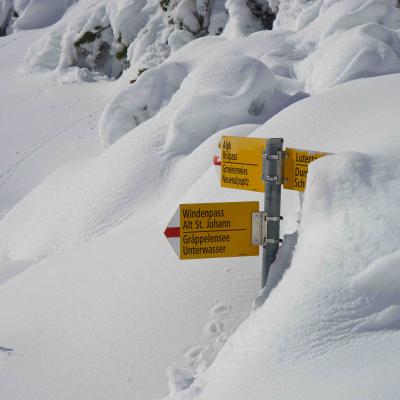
[(213, 328), (194, 352), (219, 309)]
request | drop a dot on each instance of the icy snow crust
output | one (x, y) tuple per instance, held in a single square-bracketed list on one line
[(331, 320)]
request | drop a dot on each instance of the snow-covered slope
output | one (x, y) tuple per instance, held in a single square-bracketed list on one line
[(333, 320), (171, 109), (93, 301), (88, 334), (75, 204), (43, 125), (109, 319)]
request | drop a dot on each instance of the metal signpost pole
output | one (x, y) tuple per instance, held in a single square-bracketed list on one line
[(272, 176)]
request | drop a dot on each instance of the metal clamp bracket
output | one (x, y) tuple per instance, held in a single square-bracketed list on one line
[(279, 158), (271, 156), (260, 227), (272, 241)]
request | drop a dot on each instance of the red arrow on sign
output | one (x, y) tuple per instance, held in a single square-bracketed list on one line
[(173, 232), (216, 161)]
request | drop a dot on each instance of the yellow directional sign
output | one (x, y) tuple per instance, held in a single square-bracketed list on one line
[(296, 167), (241, 163), (211, 230)]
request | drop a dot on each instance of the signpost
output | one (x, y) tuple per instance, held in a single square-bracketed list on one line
[(272, 175), (212, 230), (241, 163)]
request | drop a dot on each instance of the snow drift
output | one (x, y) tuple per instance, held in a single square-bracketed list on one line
[(348, 40), (188, 108), (334, 318), (184, 101)]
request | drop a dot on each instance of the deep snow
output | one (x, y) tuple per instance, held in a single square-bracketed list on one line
[(43, 125), (94, 303), (333, 320)]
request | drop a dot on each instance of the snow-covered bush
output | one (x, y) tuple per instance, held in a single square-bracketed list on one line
[(136, 103), (108, 36), (94, 36), (193, 89), (350, 39), (345, 40), (366, 50), (229, 91), (98, 40), (296, 14), (248, 16)]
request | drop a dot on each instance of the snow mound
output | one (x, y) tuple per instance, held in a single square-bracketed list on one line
[(73, 205), (379, 284), (346, 41), (365, 51), (207, 85), (196, 95), (16, 15), (217, 95), (246, 17), (178, 39), (297, 14), (349, 40), (35, 14), (340, 294), (140, 101)]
